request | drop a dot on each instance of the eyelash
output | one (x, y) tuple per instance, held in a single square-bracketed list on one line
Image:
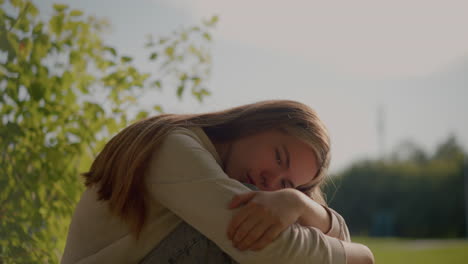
[(278, 161), (278, 157), (284, 184)]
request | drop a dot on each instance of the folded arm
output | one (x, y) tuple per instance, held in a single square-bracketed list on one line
[(324, 218), (333, 224), (264, 215), (185, 178)]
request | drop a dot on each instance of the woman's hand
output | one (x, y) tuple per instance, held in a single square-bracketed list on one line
[(263, 217)]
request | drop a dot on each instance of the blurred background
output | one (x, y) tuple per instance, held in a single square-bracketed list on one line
[(388, 78)]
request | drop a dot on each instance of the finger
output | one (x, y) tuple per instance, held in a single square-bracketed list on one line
[(254, 235), (238, 218), (268, 236), (240, 199), (244, 229)]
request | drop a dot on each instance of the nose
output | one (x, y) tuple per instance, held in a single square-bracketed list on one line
[(271, 180)]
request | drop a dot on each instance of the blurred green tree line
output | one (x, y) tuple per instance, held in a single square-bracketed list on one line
[(410, 194), (64, 92)]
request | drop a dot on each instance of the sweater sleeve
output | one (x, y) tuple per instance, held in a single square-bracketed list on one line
[(338, 228), (184, 177)]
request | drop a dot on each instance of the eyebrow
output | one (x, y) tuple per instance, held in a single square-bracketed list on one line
[(288, 161)]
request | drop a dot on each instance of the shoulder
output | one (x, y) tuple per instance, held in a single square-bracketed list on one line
[(180, 143), (184, 151), (193, 138), (182, 135)]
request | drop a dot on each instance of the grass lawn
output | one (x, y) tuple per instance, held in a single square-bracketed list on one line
[(396, 250)]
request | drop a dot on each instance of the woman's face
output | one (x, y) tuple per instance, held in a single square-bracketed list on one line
[(270, 160)]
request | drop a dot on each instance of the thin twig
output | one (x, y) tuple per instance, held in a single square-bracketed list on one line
[(21, 15)]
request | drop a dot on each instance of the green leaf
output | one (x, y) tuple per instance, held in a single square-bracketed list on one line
[(36, 91), (126, 59), (158, 108), (16, 3), (111, 50), (196, 80), (37, 28), (214, 20), (205, 92), (24, 24), (200, 94), (76, 13), (142, 114), (74, 57), (11, 130), (156, 84), (56, 24), (13, 67), (180, 90), (33, 10), (153, 56), (169, 51), (13, 40), (112, 125), (131, 99), (60, 7), (67, 79), (207, 36)]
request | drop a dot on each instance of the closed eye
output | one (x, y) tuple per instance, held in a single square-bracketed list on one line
[(284, 185), (287, 184), (278, 157)]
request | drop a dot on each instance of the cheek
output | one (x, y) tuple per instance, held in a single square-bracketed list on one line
[(236, 162), (259, 161), (239, 163)]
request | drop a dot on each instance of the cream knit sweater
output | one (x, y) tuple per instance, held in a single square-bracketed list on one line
[(186, 183)]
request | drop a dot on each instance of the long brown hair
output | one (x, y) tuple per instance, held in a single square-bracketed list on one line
[(119, 168)]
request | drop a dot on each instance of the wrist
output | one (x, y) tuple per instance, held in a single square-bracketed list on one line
[(307, 215), (314, 214), (296, 200)]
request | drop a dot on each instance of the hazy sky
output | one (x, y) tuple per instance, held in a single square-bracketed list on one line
[(346, 59)]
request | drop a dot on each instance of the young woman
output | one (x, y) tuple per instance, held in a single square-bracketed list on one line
[(163, 183)]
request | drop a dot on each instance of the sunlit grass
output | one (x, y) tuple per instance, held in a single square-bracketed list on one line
[(396, 250)]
